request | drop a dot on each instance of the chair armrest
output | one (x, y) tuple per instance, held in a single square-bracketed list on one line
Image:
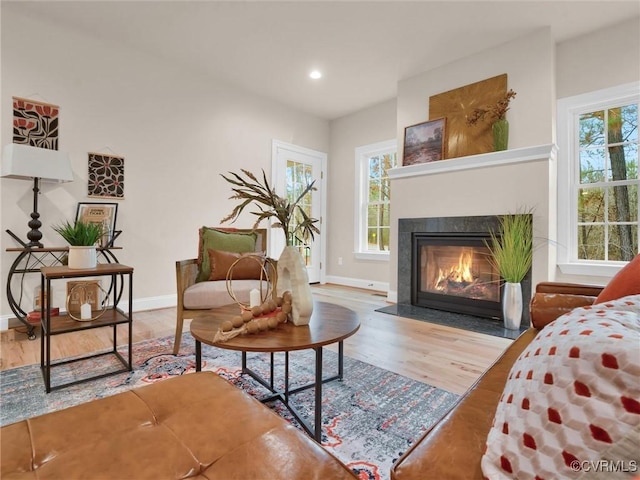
[(186, 272), (553, 299)]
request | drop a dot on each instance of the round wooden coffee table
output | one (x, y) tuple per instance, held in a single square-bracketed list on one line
[(329, 324)]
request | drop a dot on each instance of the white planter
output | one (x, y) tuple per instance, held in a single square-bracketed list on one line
[(293, 277), (512, 305), (82, 257)]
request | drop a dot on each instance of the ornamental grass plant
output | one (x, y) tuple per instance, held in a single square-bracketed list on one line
[(511, 247), (80, 234)]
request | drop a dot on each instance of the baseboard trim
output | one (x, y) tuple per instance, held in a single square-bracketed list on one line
[(358, 283)]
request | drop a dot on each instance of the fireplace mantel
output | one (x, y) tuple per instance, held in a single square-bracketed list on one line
[(484, 160)]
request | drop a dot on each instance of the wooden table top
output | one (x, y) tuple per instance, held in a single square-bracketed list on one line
[(62, 271), (329, 324)]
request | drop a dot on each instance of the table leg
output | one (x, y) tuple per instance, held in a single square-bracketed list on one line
[(340, 359), (198, 356), (318, 406)]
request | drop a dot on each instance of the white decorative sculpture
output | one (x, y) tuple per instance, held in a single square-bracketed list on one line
[(292, 276)]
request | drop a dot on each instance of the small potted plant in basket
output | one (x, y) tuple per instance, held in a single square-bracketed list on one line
[(82, 238)]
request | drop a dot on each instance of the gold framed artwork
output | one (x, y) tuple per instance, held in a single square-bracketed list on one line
[(424, 142), (456, 105), (103, 213)]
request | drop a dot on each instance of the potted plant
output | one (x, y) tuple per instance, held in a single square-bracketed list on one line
[(82, 238), (511, 254), (497, 115), (294, 221)]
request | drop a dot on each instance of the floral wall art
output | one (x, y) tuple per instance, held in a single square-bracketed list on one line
[(106, 175), (35, 123)]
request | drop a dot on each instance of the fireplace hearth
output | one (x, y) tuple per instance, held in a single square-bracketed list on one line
[(444, 276)]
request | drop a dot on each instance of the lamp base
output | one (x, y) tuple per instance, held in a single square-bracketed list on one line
[(34, 235)]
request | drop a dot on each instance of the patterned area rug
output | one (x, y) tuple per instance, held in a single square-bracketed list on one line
[(369, 418)]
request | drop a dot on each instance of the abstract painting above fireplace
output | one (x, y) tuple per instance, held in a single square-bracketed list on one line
[(471, 298)]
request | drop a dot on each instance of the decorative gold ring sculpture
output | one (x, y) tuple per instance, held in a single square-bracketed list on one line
[(264, 277), (83, 299)]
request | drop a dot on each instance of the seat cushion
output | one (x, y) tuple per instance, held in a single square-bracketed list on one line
[(193, 426), (212, 294)]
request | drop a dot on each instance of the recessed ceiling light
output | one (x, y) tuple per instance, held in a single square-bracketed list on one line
[(315, 74)]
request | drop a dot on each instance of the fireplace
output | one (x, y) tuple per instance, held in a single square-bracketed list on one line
[(471, 300), (452, 272)]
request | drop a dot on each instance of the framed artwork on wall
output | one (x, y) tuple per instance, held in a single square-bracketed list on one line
[(424, 142), (457, 105), (35, 123), (106, 175), (103, 213)]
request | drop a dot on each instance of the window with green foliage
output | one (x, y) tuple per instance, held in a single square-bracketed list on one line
[(374, 197), (598, 183), (607, 223)]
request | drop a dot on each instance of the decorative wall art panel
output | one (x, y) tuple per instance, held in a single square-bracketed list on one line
[(456, 105), (106, 175), (35, 123)]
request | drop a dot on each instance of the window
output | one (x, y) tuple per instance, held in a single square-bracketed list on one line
[(598, 194), (373, 199)]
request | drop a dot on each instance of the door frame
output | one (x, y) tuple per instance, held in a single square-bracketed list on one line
[(276, 246)]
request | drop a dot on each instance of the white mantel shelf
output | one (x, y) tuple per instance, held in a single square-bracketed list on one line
[(493, 159)]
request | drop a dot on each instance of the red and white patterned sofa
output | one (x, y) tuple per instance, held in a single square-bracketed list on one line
[(562, 401)]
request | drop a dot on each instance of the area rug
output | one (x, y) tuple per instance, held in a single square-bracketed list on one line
[(369, 418)]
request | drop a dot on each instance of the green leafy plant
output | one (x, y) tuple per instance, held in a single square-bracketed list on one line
[(289, 216), (80, 233), (511, 247)]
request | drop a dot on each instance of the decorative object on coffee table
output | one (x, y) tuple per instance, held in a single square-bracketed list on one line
[(496, 115), (511, 253), (82, 238), (294, 220)]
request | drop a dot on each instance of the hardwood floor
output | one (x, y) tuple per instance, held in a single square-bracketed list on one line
[(441, 356)]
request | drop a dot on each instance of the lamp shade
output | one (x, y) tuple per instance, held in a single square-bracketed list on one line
[(27, 162)]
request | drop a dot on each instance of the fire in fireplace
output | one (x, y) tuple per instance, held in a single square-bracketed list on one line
[(452, 272)]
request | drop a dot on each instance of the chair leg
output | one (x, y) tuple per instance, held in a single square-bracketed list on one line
[(176, 342)]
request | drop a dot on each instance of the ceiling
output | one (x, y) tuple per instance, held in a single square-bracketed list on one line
[(363, 48)]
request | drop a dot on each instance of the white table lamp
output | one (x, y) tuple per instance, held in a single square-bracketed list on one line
[(32, 163)]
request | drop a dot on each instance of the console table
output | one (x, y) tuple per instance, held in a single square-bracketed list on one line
[(30, 260), (112, 317)]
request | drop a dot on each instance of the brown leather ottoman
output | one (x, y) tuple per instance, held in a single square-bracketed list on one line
[(194, 426)]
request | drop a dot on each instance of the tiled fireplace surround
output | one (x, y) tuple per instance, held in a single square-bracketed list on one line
[(425, 199)]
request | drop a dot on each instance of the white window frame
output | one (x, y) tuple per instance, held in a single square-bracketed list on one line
[(569, 110), (363, 154)]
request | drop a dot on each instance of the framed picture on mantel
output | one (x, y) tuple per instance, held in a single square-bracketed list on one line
[(424, 142)]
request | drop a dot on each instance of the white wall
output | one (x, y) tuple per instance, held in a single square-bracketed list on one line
[(177, 131), (373, 125)]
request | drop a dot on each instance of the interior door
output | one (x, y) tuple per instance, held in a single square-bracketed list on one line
[(294, 168)]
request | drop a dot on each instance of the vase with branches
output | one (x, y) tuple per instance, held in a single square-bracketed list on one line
[(496, 114), (294, 220)]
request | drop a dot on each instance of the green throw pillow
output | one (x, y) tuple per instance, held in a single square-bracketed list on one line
[(216, 239)]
